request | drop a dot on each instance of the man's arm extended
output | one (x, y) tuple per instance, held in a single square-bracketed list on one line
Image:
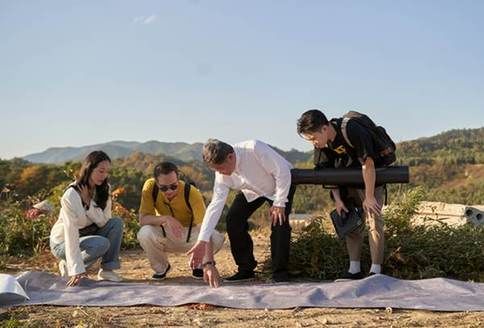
[(212, 215)]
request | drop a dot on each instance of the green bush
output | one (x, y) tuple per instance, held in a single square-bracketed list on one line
[(412, 251), (131, 226), (19, 236), (22, 237)]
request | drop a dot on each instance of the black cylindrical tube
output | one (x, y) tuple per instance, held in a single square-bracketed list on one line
[(349, 177)]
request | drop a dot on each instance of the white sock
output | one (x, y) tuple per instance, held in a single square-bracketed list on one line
[(375, 268), (355, 267)]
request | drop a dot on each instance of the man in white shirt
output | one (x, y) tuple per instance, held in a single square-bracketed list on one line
[(261, 175)]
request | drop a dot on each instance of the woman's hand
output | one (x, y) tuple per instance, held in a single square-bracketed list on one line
[(33, 213), (85, 194)]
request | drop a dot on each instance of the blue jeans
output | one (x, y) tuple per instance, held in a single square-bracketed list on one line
[(106, 243)]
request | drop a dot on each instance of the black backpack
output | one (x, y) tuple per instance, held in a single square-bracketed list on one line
[(385, 146), (186, 194)]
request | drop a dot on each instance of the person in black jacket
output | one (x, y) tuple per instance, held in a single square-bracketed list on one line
[(343, 143)]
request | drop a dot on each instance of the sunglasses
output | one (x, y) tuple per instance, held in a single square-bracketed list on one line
[(165, 188)]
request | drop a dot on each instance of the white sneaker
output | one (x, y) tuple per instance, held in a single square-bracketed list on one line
[(63, 269), (108, 275)]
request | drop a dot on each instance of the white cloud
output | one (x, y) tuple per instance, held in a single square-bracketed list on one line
[(150, 19), (145, 20), (137, 20)]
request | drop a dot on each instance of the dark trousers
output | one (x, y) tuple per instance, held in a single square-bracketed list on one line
[(241, 243)]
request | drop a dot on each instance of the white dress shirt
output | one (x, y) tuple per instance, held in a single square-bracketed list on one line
[(259, 172), (72, 217)]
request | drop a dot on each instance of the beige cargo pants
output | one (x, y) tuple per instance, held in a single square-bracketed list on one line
[(157, 246)]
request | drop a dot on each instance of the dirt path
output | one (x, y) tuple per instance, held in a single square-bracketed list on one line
[(136, 267)]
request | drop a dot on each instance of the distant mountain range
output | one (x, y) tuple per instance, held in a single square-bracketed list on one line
[(449, 166), (119, 149), (468, 143)]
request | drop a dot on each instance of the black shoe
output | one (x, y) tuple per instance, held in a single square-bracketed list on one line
[(280, 277), (241, 276), (197, 273), (351, 276), (161, 276), (372, 274)]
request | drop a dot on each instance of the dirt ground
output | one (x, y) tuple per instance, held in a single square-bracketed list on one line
[(135, 267)]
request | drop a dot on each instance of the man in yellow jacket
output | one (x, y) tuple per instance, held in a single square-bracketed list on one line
[(170, 215)]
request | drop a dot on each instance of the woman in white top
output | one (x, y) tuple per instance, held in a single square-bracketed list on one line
[(85, 230)]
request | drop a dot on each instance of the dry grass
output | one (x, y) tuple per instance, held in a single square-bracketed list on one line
[(188, 316), (136, 267)]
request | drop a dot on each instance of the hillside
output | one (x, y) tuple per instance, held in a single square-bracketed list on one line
[(121, 149), (449, 165), (465, 146), (118, 149)]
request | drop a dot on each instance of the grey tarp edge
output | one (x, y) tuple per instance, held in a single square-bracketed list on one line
[(377, 291)]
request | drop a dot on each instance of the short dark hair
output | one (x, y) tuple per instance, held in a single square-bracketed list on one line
[(311, 121), (215, 151), (164, 168)]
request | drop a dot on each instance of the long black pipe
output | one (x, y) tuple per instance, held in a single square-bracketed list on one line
[(349, 177)]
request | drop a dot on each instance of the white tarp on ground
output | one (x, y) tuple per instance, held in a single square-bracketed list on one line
[(378, 291)]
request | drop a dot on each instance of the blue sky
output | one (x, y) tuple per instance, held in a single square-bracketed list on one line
[(84, 72)]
